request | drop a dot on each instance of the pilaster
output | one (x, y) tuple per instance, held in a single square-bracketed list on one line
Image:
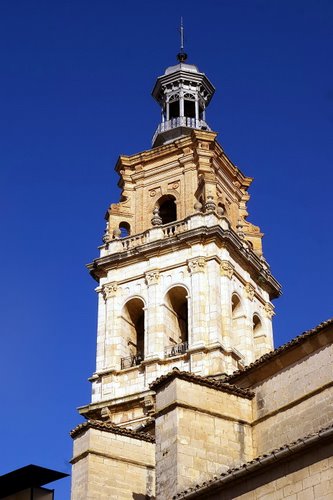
[(199, 294)]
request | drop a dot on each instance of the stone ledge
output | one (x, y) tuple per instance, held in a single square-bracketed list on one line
[(197, 379), (108, 427)]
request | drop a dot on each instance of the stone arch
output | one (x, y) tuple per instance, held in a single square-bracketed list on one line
[(259, 337), (125, 229), (236, 305), (176, 320), (133, 331), (238, 318), (167, 208)]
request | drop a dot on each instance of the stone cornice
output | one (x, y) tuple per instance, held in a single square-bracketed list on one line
[(257, 465), (109, 427), (176, 148), (203, 234), (197, 379)]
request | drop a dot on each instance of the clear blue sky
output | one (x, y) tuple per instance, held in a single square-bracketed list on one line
[(76, 78)]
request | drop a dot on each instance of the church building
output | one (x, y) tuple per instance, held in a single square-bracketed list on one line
[(189, 397)]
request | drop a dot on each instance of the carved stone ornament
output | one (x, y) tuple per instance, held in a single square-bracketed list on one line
[(269, 309), (197, 265), (107, 237), (210, 204), (227, 269), (197, 206), (109, 290), (249, 290), (156, 219), (152, 277)]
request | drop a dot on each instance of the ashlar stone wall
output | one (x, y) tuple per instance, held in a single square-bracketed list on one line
[(108, 466), (295, 401), (199, 432)]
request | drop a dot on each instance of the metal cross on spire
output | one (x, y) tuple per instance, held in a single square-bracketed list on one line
[(182, 56)]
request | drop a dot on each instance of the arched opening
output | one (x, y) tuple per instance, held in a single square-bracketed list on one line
[(134, 331), (176, 321), (236, 306), (125, 229), (167, 209), (239, 338), (259, 337)]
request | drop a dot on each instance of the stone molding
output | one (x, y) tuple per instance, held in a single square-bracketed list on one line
[(227, 269), (224, 238), (196, 265), (109, 290), (152, 277)]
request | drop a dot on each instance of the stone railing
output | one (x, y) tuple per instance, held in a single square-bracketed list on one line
[(174, 228), (161, 232), (134, 241)]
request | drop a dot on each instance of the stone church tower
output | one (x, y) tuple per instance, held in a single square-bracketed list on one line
[(183, 291)]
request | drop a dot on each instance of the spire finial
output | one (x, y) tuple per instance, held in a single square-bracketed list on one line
[(182, 56)]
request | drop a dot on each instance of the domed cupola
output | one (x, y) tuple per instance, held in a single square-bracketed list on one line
[(183, 94)]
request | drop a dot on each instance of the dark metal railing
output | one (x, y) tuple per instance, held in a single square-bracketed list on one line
[(175, 350), (131, 361)]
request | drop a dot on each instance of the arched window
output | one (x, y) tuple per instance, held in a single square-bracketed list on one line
[(125, 229), (167, 209), (176, 321), (134, 330)]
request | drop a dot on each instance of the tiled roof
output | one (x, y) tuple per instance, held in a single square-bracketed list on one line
[(261, 461), (197, 379), (109, 427), (285, 347)]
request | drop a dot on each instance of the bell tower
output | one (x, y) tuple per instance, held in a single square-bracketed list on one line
[(182, 281)]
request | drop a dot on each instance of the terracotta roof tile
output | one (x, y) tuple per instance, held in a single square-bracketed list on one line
[(109, 427), (197, 379), (275, 455), (272, 354)]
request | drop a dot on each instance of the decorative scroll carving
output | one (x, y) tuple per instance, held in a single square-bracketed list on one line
[(249, 290), (197, 265), (109, 290), (152, 277), (227, 269), (269, 310)]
